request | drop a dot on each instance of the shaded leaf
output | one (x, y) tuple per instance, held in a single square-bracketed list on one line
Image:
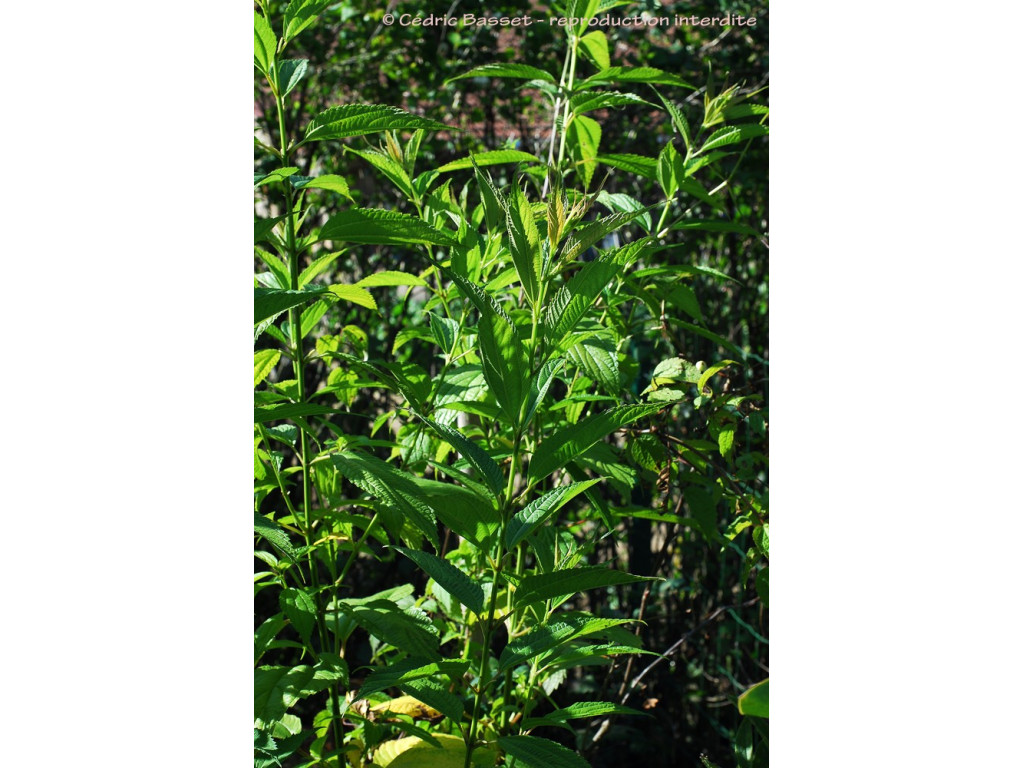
[(451, 578)]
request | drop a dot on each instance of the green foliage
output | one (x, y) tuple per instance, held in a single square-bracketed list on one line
[(475, 396)]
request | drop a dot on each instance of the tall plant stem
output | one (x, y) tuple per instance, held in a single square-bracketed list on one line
[(298, 363)]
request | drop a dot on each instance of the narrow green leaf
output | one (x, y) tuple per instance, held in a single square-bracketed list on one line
[(711, 371), (595, 46), (754, 701), (524, 243), (389, 167), (588, 102), (444, 330), (391, 486), (268, 302), (410, 669), (546, 586), (670, 170), (678, 121), (638, 164), (496, 157), (732, 134), (506, 361), (354, 294), (379, 227), (265, 43), (300, 610), (413, 633), (390, 278), (329, 182), (263, 227), (569, 443), (650, 75), (289, 411), (537, 511), (488, 468), (263, 363), (584, 135), (359, 119), (275, 689), (265, 635), (595, 231), (453, 580), (539, 385), (274, 533), (582, 709), (300, 14), (513, 71), (259, 179), (289, 73), (534, 752), (434, 695)]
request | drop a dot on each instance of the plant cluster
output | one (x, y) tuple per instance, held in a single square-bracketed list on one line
[(477, 391)]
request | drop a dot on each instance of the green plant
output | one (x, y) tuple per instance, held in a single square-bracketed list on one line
[(495, 426)]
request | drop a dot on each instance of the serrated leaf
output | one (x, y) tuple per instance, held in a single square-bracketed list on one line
[(546, 637), (546, 586), (506, 362), (259, 179), (534, 752), (588, 102), (539, 385), (595, 46), (263, 363), (754, 701), (276, 688), (508, 70), (595, 231), (572, 301), (732, 134), (390, 278), (386, 621), (410, 669), (596, 355), (670, 170), (300, 610), (329, 181), (488, 468), (638, 164), (650, 75), (567, 444), (444, 330), (450, 577), (537, 511), (678, 121), (496, 157), (289, 73), (585, 138), (435, 696), (524, 243), (389, 167), (274, 533), (289, 411), (268, 302), (380, 227), (263, 227), (360, 119), (265, 43), (354, 294), (581, 709), (391, 486), (300, 14)]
